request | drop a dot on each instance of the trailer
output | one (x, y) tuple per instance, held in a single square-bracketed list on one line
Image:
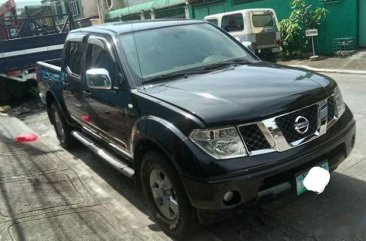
[(24, 40)]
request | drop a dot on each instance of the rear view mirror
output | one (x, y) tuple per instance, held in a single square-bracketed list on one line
[(98, 78)]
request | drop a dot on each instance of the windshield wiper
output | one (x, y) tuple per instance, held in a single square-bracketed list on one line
[(240, 61), (166, 77), (225, 63), (215, 66), (201, 70)]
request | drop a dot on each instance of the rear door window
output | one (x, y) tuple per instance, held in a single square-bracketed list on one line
[(233, 22), (263, 20), (74, 54)]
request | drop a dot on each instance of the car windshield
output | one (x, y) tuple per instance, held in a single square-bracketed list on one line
[(164, 51)]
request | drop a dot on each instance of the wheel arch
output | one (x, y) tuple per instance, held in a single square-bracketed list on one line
[(51, 98), (152, 133)]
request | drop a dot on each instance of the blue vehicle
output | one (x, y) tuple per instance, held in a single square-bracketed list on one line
[(26, 40)]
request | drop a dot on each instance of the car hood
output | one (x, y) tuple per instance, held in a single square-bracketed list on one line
[(244, 93)]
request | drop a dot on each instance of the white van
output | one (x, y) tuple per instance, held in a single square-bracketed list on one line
[(257, 28)]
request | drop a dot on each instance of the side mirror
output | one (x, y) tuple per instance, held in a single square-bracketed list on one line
[(98, 78)]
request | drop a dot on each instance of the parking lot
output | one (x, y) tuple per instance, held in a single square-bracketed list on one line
[(48, 193)]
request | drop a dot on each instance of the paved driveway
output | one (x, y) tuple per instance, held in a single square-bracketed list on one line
[(50, 194)]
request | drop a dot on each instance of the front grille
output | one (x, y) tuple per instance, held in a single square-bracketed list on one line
[(287, 123), (331, 108), (253, 138)]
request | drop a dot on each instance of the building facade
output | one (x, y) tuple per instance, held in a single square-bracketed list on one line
[(149, 10), (343, 29), (80, 9)]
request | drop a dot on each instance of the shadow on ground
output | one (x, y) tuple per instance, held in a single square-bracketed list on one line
[(30, 185), (337, 214)]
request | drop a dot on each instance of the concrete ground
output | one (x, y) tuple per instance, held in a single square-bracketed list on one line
[(47, 193), (356, 61)]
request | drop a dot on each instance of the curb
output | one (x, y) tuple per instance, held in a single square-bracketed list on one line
[(338, 71)]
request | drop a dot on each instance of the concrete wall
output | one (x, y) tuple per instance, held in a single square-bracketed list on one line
[(341, 22), (89, 8)]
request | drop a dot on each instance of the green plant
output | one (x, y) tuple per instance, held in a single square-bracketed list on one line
[(304, 16)]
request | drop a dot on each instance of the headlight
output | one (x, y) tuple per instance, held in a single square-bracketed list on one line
[(341, 106), (220, 143)]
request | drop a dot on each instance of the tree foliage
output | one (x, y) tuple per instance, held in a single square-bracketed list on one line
[(304, 16)]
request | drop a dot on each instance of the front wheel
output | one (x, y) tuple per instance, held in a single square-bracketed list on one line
[(166, 196)]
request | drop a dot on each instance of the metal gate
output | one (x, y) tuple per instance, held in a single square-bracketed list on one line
[(362, 23)]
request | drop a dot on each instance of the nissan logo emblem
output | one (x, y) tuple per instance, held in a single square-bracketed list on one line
[(301, 125)]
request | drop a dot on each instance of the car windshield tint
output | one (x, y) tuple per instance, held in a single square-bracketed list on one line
[(233, 22), (167, 50), (263, 20)]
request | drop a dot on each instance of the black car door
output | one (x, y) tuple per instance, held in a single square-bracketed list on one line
[(72, 81), (107, 103)]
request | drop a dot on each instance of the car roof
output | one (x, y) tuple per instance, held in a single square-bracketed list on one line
[(117, 28), (244, 11)]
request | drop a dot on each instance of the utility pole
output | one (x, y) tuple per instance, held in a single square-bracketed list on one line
[(101, 10), (104, 7)]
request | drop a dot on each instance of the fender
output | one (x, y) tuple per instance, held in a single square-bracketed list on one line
[(58, 99), (169, 139)]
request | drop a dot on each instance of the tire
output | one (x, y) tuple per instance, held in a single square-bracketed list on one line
[(62, 129), (180, 220)]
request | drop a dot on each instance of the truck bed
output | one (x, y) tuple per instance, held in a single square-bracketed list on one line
[(38, 38), (22, 53), (49, 77)]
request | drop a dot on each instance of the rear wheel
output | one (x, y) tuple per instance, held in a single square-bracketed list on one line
[(166, 196), (62, 129)]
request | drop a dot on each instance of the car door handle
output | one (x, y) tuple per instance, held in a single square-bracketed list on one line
[(86, 93), (65, 83)]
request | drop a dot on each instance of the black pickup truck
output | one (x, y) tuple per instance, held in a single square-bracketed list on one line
[(202, 125)]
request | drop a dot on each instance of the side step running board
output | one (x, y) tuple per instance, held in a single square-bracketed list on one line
[(119, 165)]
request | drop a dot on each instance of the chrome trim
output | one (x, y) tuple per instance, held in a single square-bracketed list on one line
[(323, 117), (103, 135), (261, 152), (275, 136), (90, 132), (120, 142), (120, 150), (116, 163), (335, 118)]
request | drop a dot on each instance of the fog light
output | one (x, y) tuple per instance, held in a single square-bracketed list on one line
[(228, 196)]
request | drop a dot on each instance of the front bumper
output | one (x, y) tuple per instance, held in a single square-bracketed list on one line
[(276, 179)]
